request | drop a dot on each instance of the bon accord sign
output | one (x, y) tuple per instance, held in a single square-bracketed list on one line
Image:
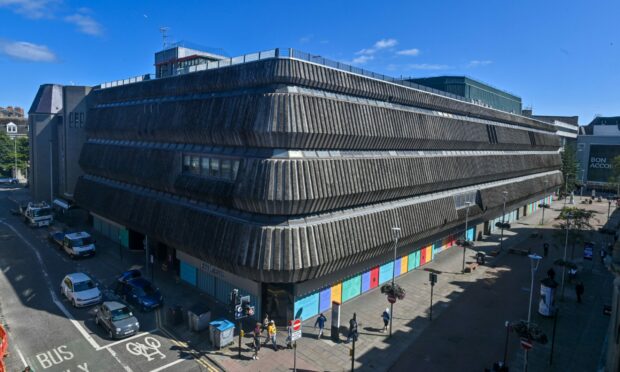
[(600, 163)]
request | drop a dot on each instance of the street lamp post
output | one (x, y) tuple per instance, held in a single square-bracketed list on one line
[(15, 156), (395, 234), (465, 241), (544, 204), (568, 216), (534, 262), (501, 241), (608, 208)]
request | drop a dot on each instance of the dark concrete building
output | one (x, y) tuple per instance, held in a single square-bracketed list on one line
[(282, 174), (56, 122), (475, 91), (567, 127)]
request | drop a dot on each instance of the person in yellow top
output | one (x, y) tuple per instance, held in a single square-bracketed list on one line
[(271, 330)]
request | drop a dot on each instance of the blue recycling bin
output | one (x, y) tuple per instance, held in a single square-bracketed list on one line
[(221, 333)]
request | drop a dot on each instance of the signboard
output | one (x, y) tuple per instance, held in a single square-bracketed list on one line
[(391, 299), (600, 162), (296, 325), (335, 334), (432, 277), (588, 251)]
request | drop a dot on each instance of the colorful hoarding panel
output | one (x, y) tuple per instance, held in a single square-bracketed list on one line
[(325, 299), (397, 267), (366, 281), (351, 288), (188, 273), (337, 293), (307, 307), (403, 264), (385, 272), (374, 278)]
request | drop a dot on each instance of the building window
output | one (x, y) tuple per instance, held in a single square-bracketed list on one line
[(211, 167), (461, 200), (195, 165)]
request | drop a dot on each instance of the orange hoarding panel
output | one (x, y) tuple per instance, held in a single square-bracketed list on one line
[(337, 293), (403, 264)]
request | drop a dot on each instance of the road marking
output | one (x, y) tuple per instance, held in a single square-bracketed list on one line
[(21, 356), (128, 338), (125, 366), (169, 365), (51, 290), (148, 349)]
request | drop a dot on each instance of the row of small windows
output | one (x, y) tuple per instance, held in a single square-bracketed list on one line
[(462, 200), (208, 166)]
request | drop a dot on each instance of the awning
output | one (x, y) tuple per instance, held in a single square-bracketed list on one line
[(61, 203)]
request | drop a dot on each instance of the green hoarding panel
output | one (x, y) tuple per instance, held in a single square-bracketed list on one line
[(351, 288)]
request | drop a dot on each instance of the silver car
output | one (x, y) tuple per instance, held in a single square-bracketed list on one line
[(117, 319)]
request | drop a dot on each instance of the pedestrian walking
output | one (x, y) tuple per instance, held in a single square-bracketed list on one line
[(551, 273), (352, 329), (320, 321), (271, 330), (579, 289), (386, 319), (256, 339), (265, 327), (546, 249)]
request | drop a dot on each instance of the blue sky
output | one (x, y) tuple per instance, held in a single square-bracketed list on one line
[(561, 57)]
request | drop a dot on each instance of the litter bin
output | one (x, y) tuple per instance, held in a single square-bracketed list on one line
[(175, 315), (198, 317), (221, 333), (480, 258)]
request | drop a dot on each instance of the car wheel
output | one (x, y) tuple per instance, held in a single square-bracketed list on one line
[(110, 334), (73, 303), (96, 320)]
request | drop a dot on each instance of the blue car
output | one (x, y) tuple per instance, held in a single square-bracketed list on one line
[(140, 293)]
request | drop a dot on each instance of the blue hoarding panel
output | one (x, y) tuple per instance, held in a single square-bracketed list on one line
[(307, 307), (385, 272), (325, 299), (365, 281), (188, 273)]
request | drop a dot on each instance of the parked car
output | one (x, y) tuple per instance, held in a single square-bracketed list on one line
[(117, 319), (76, 244), (140, 293), (80, 290), (9, 180), (129, 274)]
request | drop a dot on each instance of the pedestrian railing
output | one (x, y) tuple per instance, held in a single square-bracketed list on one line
[(288, 53)]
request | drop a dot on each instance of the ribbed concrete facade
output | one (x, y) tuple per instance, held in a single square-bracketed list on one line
[(285, 171)]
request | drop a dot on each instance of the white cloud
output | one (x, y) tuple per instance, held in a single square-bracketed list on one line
[(379, 45), (305, 39), (85, 24), (427, 66), (362, 59), (27, 51), (31, 8), (477, 63), (409, 52)]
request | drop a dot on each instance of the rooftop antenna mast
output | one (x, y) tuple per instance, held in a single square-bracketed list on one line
[(164, 35)]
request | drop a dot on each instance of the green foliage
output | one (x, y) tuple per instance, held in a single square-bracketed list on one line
[(615, 170), (8, 154), (570, 168), (579, 219)]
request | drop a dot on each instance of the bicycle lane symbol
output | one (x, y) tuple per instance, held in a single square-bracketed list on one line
[(149, 349)]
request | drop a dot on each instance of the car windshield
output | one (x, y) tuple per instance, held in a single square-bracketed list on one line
[(122, 313), (42, 212), (83, 286), (80, 242), (147, 290)]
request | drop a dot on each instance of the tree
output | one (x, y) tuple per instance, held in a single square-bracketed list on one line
[(8, 154), (579, 220), (570, 168)]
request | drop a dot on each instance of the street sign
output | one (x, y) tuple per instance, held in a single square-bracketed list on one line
[(432, 277), (391, 299), (526, 344), (296, 325)]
